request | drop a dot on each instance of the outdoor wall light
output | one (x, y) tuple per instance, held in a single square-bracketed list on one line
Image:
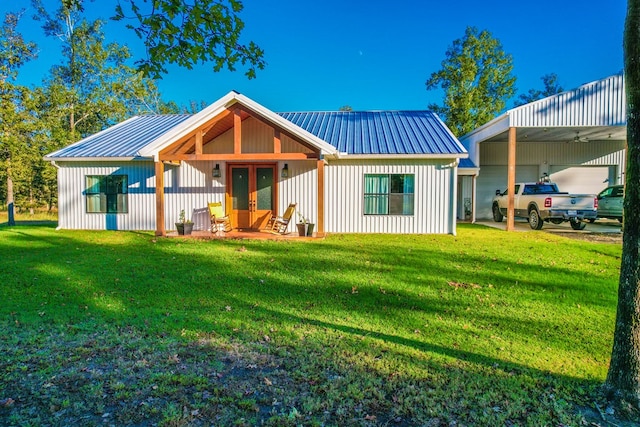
[(285, 171), (216, 171)]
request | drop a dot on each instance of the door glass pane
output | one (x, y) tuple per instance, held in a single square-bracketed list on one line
[(264, 186), (240, 188)]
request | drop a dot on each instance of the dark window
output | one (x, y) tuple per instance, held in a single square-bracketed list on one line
[(106, 194), (388, 194)]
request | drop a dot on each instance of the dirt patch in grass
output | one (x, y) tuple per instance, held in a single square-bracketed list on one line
[(614, 238), (122, 376)]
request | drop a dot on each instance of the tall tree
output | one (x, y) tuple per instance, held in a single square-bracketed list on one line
[(477, 81), (93, 87), (623, 378), (14, 120), (551, 87)]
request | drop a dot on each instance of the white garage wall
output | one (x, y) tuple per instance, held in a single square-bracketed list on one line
[(535, 158), (494, 178), (581, 179)]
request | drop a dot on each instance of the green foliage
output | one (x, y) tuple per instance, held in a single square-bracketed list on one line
[(476, 79), (486, 328), (551, 87), (93, 87), (16, 123), (14, 50), (188, 33)]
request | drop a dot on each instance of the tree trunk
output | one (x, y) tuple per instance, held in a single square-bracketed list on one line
[(32, 211), (623, 379), (10, 201)]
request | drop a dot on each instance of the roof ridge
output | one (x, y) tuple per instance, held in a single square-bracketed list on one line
[(355, 111)]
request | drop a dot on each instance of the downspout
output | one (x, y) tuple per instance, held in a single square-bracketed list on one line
[(454, 195), (473, 198), (55, 165)]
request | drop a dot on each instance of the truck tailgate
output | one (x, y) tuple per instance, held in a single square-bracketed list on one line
[(573, 201)]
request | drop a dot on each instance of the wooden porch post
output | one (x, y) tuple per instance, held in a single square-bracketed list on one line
[(160, 230), (237, 132), (511, 178), (320, 229)]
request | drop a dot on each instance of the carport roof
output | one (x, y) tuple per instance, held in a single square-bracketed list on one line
[(594, 111)]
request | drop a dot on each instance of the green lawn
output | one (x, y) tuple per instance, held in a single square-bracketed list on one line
[(485, 328)]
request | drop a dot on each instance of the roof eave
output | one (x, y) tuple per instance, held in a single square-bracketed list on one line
[(405, 156), (51, 158), (488, 130)]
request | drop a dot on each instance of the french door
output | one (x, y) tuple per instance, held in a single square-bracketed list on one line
[(252, 189)]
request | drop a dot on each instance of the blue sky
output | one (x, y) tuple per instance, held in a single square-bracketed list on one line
[(377, 55)]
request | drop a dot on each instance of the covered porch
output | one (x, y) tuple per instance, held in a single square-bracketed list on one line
[(239, 154)]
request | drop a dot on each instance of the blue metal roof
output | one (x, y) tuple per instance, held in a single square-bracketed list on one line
[(370, 132), (122, 140), (380, 132), (467, 163)]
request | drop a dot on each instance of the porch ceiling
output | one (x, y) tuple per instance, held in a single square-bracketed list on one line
[(564, 134)]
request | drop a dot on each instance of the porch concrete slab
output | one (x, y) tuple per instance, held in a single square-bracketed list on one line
[(239, 235)]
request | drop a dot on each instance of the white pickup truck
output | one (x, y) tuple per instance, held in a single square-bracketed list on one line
[(541, 201)]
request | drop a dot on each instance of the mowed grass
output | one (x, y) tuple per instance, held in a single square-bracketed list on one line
[(482, 328)]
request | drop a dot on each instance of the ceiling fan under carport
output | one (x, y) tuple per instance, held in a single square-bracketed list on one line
[(579, 138)]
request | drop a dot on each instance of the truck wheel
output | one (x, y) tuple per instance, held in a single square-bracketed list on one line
[(577, 225), (497, 215), (534, 220)]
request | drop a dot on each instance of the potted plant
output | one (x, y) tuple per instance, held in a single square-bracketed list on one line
[(305, 228), (184, 226), (302, 225)]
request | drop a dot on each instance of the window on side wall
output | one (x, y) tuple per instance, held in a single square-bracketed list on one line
[(106, 193), (388, 194)]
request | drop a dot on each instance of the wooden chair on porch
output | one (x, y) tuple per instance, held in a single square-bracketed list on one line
[(220, 222), (279, 224)]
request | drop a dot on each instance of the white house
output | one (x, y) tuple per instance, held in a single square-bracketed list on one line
[(354, 172), (577, 138)]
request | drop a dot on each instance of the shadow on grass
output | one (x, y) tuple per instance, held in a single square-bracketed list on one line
[(39, 223), (186, 284), (376, 291)]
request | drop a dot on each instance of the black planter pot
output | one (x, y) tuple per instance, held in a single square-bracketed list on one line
[(310, 227), (184, 229), (302, 229), (188, 228)]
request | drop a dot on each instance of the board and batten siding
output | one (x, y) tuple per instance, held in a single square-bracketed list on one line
[(301, 187), (434, 197), (72, 201), (593, 153), (189, 186)]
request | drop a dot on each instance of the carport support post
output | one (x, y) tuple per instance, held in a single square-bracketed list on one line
[(511, 178), (160, 230)]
